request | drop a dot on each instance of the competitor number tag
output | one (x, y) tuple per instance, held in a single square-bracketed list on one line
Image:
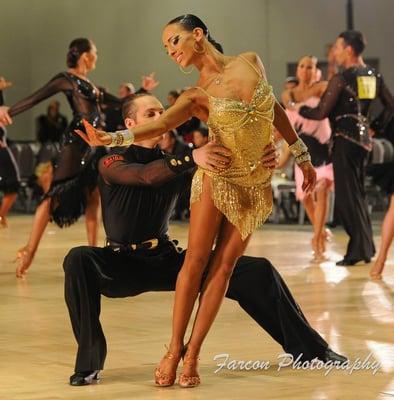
[(366, 87)]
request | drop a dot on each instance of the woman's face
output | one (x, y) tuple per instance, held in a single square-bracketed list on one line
[(91, 57), (306, 70), (179, 43)]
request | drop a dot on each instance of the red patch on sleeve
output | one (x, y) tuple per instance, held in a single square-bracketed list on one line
[(110, 160)]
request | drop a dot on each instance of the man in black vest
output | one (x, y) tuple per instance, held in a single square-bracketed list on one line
[(346, 102)]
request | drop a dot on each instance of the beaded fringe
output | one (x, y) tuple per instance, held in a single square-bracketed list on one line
[(245, 207)]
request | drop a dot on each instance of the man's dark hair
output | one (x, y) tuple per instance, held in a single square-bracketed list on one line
[(173, 93), (204, 131), (355, 40), (129, 109)]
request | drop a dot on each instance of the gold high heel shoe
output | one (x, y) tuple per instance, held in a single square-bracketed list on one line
[(189, 381), (163, 379)]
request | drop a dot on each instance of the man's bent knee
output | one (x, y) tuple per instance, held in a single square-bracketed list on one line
[(73, 262)]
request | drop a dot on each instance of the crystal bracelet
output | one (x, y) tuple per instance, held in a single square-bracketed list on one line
[(121, 138), (300, 151)]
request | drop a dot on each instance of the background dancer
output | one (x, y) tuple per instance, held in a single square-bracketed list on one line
[(347, 103), (73, 191), (316, 135), (9, 173)]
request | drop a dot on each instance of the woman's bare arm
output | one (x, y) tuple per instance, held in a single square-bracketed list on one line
[(187, 105)]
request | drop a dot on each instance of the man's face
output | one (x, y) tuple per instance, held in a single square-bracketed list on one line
[(340, 51), (199, 139), (148, 109)]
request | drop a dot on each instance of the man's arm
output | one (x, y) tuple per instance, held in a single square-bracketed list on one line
[(327, 102), (115, 169)]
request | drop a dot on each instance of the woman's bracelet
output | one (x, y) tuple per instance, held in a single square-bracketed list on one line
[(300, 151), (121, 138)]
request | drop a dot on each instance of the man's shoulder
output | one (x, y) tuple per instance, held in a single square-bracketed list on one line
[(108, 160)]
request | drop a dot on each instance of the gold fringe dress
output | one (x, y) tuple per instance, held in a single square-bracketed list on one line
[(242, 193)]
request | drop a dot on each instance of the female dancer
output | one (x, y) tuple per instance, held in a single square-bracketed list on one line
[(233, 96), (73, 190), (9, 174), (316, 135), (383, 175)]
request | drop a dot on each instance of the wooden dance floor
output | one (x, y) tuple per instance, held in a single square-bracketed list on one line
[(37, 348)]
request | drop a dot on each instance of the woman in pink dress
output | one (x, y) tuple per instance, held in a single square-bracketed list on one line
[(316, 135)]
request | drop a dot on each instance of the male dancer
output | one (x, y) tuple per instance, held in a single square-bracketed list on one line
[(138, 192), (346, 102)]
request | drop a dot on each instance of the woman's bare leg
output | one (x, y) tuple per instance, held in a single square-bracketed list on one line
[(321, 207), (92, 216), (8, 201), (387, 238), (205, 220), (310, 209), (228, 249), (26, 254)]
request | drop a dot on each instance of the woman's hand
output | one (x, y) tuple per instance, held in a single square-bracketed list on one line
[(4, 116), (309, 173), (93, 136), (149, 82), (4, 84)]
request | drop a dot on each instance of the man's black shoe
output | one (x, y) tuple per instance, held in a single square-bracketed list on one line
[(84, 378), (330, 355), (349, 262)]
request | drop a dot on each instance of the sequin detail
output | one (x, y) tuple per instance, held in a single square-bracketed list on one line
[(242, 192)]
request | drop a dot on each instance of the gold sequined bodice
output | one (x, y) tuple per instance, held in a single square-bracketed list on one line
[(243, 191), (245, 129)]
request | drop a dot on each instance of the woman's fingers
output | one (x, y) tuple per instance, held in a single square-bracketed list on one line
[(82, 135)]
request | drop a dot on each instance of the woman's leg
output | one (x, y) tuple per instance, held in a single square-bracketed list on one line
[(8, 201), (204, 224), (228, 249), (310, 208), (387, 238), (92, 216), (26, 254), (321, 207)]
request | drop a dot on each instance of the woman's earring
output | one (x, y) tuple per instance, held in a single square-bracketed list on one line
[(198, 50), (186, 71)]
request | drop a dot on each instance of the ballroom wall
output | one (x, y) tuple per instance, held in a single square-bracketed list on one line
[(34, 36)]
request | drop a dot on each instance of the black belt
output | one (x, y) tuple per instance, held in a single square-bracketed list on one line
[(150, 244)]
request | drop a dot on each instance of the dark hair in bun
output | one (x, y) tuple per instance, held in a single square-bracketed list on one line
[(76, 49), (190, 22)]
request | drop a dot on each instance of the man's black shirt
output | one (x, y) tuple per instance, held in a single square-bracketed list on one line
[(139, 189)]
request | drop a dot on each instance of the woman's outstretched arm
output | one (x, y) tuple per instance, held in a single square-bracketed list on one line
[(184, 108)]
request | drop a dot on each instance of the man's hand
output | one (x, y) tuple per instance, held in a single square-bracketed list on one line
[(149, 82), (4, 116), (94, 137), (212, 157), (270, 158), (4, 84)]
